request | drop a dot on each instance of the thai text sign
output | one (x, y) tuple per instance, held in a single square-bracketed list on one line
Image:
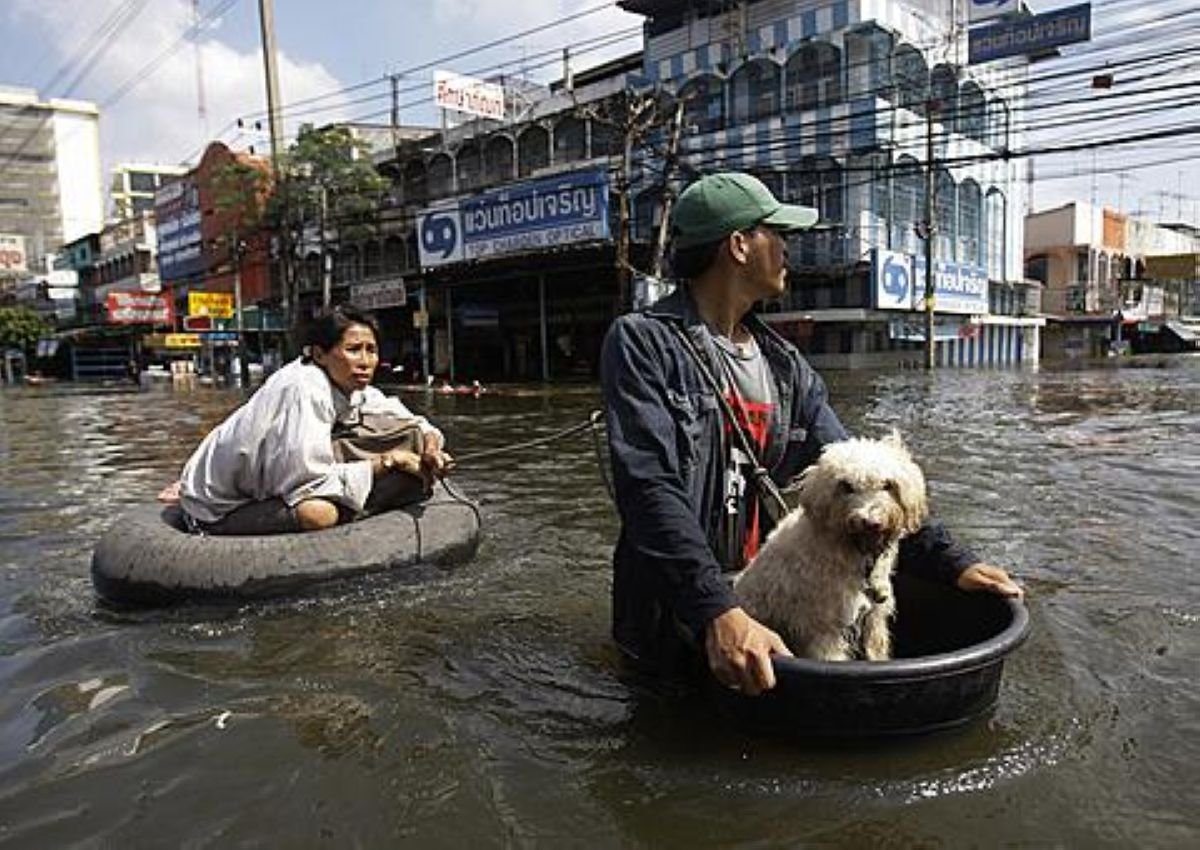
[(467, 94), (177, 211), (1030, 35), (379, 294), (218, 305), (12, 253), (135, 308), (525, 217), (900, 285)]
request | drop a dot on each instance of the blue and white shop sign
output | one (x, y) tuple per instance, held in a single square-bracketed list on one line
[(533, 216), (899, 284)]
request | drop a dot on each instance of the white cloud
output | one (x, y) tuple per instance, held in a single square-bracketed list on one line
[(158, 119)]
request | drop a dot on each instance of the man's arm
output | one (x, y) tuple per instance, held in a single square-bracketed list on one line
[(657, 517)]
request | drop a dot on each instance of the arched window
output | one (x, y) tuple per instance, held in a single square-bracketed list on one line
[(755, 88), (814, 77), (970, 219), (414, 184), (372, 260), (703, 104), (972, 111), (997, 124), (570, 140), (946, 196), (994, 224), (533, 150), (943, 89), (498, 160), (908, 203), (470, 167), (867, 68), (441, 175), (817, 182), (647, 209), (910, 76), (606, 141), (393, 255), (346, 267)]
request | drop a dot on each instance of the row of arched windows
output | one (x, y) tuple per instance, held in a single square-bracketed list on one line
[(815, 77), (970, 223), (363, 261)]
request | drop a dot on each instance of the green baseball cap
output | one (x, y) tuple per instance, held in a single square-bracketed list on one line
[(719, 204)]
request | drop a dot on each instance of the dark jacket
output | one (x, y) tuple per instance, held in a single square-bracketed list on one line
[(665, 434)]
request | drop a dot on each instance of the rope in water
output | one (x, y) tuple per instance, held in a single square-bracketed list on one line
[(593, 423)]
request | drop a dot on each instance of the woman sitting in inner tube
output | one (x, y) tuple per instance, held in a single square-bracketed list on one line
[(271, 468)]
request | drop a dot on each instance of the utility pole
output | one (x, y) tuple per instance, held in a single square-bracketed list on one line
[(243, 353), (266, 20), (395, 80), (930, 231), (326, 270)]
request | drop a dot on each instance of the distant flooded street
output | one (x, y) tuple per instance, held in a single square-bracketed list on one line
[(486, 706)]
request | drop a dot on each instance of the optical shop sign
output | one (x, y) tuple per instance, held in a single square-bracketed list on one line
[(527, 217), (900, 284)]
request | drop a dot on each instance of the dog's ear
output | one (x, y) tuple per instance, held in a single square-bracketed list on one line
[(914, 499)]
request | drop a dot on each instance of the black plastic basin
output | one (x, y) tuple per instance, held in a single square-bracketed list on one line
[(949, 653)]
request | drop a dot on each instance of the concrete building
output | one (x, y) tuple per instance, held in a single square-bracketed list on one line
[(50, 176), (132, 187), (829, 102), (1101, 291)]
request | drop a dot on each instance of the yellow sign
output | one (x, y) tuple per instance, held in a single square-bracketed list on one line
[(181, 340), (218, 305)]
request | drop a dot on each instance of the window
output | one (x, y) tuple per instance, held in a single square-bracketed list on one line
[(995, 245), (498, 160), (470, 167), (141, 181), (946, 196), (441, 175), (943, 89), (972, 112), (755, 91), (570, 140), (413, 181), (908, 198), (970, 216), (703, 104), (814, 77), (910, 76), (533, 150), (996, 129)]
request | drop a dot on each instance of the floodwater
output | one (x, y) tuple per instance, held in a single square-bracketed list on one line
[(484, 706)]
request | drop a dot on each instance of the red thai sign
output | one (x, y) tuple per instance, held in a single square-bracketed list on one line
[(135, 308)]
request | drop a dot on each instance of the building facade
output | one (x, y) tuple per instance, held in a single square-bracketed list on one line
[(132, 186), (50, 185)]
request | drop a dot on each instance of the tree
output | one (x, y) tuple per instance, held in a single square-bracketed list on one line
[(21, 328), (327, 177), (240, 192)]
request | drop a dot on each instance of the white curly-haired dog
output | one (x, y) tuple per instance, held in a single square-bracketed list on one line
[(823, 577)]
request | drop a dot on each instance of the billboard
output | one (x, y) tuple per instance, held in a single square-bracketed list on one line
[(524, 217), (467, 94), (985, 10), (177, 211), (12, 253), (135, 308), (218, 305), (899, 284), (1035, 34), (379, 294)]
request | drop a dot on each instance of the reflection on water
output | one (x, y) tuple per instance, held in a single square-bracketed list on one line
[(487, 706)]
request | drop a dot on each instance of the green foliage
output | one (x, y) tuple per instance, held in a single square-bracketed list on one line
[(331, 162), (239, 194), (21, 328)]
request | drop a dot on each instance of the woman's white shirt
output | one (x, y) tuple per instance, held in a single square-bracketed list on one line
[(278, 444)]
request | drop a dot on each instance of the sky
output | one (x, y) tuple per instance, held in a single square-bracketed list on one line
[(144, 77)]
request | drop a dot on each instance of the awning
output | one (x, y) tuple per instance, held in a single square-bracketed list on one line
[(1184, 332)]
